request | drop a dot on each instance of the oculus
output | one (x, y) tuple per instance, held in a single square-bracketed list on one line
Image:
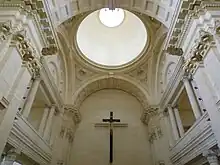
[(111, 38)]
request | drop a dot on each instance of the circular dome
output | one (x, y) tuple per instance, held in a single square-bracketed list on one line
[(111, 18), (112, 47)]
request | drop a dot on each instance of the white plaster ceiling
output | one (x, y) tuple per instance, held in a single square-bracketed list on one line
[(162, 10), (111, 46)]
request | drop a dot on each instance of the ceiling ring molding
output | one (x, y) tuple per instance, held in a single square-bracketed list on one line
[(110, 82), (85, 59), (74, 22)]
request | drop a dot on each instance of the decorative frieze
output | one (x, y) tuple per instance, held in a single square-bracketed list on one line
[(27, 51), (189, 9), (40, 9), (199, 51)]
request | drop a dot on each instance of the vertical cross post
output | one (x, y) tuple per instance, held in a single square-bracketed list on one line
[(111, 120)]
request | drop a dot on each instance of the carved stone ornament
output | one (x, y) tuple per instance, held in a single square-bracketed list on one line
[(27, 52), (152, 137), (24, 46), (175, 51), (49, 50), (199, 50), (5, 30), (70, 135), (71, 109), (35, 67), (62, 132), (148, 113), (140, 73), (217, 27), (155, 134)]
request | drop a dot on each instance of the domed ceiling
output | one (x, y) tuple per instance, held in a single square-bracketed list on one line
[(111, 38)]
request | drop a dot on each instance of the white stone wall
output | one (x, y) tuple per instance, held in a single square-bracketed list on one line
[(91, 144)]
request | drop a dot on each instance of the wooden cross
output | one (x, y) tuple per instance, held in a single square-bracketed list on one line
[(112, 123)]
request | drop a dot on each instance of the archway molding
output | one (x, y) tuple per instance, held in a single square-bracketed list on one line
[(110, 82)]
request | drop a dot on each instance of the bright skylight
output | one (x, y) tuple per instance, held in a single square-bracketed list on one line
[(111, 18), (111, 46)]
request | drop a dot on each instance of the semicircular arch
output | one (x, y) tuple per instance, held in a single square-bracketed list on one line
[(110, 82)]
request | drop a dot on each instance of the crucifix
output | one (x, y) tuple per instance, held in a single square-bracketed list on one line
[(112, 123)]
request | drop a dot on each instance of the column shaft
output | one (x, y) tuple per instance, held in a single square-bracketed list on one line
[(49, 124), (173, 123), (179, 121), (43, 120), (31, 97), (192, 98)]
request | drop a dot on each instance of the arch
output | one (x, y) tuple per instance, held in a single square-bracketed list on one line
[(110, 82)]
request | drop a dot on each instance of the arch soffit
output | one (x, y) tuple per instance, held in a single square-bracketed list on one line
[(110, 82)]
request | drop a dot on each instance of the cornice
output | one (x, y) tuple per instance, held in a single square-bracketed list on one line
[(189, 10), (37, 9)]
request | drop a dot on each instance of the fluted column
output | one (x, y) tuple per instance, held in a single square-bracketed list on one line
[(178, 121), (43, 120), (49, 123), (211, 156), (31, 97), (192, 98), (173, 123)]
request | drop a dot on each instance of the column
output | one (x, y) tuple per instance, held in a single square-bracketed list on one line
[(43, 120), (192, 98), (49, 124), (168, 128), (31, 97), (179, 121), (173, 123), (211, 156)]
